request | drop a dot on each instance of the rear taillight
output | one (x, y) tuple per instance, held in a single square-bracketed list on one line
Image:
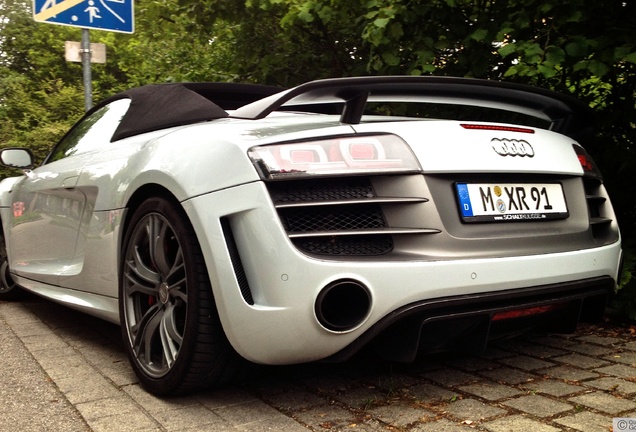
[(587, 163), (349, 155)]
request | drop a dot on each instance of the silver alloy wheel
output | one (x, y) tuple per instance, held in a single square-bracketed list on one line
[(155, 295)]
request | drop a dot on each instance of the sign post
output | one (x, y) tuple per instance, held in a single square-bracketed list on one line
[(110, 15), (86, 70)]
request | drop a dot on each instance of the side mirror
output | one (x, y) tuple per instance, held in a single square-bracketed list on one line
[(21, 158)]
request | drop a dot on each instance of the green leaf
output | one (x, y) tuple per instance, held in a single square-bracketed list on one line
[(620, 53), (425, 56), (583, 64), (326, 14), (377, 64), (479, 35), (305, 16), (631, 57), (577, 48), (512, 71), (381, 22), (374, 36), (598, 68), (429, 68), (507, 49), (533, 49), (554, 54), (395, 30), (504, 33), (546, 71), (390, 59)]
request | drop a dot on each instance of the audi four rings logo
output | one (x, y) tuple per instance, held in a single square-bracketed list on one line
[(512, 147)]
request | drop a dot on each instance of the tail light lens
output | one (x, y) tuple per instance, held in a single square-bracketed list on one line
[(334, 156), (587, 163)]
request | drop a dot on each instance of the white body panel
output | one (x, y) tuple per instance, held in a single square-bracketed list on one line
[(446, 147)]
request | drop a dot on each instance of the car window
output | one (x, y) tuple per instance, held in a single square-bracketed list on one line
[(92, 132)]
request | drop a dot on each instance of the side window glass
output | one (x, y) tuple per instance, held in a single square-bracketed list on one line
[(92, 132)]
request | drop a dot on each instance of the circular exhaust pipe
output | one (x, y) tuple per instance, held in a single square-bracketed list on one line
[(343, 305)]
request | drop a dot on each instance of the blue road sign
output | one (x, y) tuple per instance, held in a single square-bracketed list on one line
[(112, 15)]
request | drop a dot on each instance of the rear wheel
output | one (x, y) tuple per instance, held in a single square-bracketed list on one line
[(169, 322), (8, 288)]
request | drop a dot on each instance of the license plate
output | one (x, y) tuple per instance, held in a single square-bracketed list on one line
[(486, 202)]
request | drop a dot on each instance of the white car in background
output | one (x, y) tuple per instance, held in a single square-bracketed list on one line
[(220, 222)]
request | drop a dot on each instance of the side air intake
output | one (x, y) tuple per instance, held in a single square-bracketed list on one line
[(237, 265)]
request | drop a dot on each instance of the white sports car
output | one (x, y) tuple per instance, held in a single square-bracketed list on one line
[(220, 222)]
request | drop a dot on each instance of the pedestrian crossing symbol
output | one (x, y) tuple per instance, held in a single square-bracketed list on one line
[(112, 15)]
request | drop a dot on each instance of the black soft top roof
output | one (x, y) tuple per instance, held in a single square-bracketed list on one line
[(159, 106)]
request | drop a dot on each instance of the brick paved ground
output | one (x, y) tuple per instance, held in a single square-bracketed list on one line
[(68, 372)]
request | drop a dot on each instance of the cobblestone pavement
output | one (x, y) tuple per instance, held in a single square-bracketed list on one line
[(64, 371)]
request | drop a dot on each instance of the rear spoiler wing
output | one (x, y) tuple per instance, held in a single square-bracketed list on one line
[(567, 115)]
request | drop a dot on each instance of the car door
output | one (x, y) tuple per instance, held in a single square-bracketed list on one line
[(48, 205)]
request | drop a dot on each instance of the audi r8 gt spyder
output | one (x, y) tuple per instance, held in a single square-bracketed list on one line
[(218, 223)]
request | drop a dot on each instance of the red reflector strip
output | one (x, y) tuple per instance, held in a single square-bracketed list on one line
[(586, 163), (497, 128), (518, 313)]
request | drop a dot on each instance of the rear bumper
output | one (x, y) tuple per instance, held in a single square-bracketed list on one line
[(268, 293), (466, 323)]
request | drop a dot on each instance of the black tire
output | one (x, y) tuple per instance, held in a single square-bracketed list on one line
[(169, 322), (8, 289)]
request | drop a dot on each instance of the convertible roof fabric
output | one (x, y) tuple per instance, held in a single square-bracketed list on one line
[(159, 106)]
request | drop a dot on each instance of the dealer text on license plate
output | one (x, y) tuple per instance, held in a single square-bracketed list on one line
[(485, 202)]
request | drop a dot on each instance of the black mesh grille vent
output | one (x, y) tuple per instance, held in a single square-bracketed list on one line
[(347, 246), (336, 218), (313, 191), (340, 216)]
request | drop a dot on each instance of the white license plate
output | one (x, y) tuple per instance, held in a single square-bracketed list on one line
[(485, 202)]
